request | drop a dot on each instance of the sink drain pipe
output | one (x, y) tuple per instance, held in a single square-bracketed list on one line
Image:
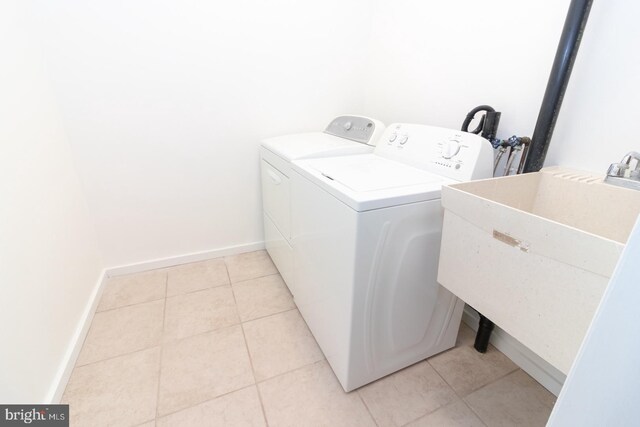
[(566, 53), (485, 327)]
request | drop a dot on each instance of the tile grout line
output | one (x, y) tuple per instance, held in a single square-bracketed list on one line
[(240, 282), (253, 372), (442, 407), (357, 391), (324, 359), (461, 398), (128, 305), (427, 414), (207, 288), (443, 378), (230, 284), (164, 319), (202, 403), (473, 412), (475, 389), (212, 398), (76, 366), (221, 328), (166, 293), (492, 382), (480, 388), (268, 315), (207, 268), (120, 354), (246, 346)]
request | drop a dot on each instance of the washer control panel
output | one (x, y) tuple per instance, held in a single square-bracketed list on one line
[(452, 153), (356, 128)]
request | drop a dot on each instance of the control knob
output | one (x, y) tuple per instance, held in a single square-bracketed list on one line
[(450, 148)]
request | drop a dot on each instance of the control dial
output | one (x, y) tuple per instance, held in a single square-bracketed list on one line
[(347, 126), (450, 148)]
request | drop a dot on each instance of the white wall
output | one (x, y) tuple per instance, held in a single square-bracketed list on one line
[(428, 65), (49, 262), (165, 103), (599, 117), (432, 63)]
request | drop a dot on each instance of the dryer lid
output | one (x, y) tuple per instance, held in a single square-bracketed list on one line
[(313, 144)]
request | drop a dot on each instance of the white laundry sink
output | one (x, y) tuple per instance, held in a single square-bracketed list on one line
[(534, 252)]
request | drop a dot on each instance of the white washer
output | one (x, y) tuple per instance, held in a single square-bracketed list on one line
[(366, 240), (343, 136)]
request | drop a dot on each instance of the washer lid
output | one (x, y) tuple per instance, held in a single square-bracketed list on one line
[(372, 173), (367, 181), (313, 144)]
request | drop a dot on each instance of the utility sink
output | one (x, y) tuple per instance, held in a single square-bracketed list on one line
[(534, 252)]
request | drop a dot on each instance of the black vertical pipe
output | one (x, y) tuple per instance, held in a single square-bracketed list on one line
[(485, 327), (558, 79), (566, 53)]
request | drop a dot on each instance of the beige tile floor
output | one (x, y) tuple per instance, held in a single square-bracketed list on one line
[(221, 343)]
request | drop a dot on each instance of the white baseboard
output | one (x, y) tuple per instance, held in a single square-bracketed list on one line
[(551, 378), (183, 259), (73, 351)]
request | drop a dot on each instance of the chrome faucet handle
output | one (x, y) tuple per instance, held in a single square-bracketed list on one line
[(623, 174), (623, 169), (619, 170), (632, 155)]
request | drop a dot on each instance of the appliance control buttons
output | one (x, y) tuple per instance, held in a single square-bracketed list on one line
[(444, 164), (450, 149), (393, 137), (347, 126), (404, 139)]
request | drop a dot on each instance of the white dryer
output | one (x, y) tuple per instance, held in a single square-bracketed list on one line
[(343, 136), (366, 240)]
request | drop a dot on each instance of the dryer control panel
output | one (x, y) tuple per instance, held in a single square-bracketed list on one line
[(356, 128), (451, 153)]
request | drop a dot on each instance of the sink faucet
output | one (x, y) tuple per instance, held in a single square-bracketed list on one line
[(626, 173)]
